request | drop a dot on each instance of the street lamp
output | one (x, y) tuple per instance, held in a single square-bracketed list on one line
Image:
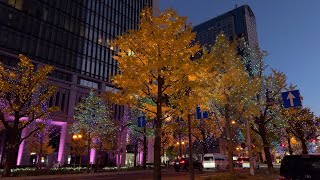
[(76, 137)]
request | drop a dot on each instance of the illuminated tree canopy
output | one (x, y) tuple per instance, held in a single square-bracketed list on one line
[(24, 92)]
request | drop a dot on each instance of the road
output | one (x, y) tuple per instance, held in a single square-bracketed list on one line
[(144, 176), (167, 174)]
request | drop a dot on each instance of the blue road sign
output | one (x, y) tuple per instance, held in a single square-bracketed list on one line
[(291, 99), (201, 114), (141, 121)]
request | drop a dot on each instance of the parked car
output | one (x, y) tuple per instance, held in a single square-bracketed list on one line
[(300, 167), (239, 161), (217, 161), (183, 164), (246, 163), (172, 162)]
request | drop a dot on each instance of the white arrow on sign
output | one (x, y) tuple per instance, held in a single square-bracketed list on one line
[(291, 97)]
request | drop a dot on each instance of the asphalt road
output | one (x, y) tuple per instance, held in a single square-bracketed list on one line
[(141, 176), (167, 174)]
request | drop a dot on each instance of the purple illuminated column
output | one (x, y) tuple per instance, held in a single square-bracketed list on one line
[(21, 147), (92, 156), (62, 142)]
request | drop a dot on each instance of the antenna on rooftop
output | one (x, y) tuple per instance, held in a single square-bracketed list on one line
[(235, 3)]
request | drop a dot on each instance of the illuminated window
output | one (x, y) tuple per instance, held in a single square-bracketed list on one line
[(16, 3)]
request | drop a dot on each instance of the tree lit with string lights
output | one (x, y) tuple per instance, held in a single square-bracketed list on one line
[(153, 61), (23, 92), (94, 118), (234, 90)]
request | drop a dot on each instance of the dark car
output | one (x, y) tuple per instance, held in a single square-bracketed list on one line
[(300, 167), (183, 164)]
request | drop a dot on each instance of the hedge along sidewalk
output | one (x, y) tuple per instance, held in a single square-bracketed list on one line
[(121, 172)]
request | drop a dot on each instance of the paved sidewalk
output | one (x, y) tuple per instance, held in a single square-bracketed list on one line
[(82, 175)]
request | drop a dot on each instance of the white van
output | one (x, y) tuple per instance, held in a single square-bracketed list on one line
[(217, 161)]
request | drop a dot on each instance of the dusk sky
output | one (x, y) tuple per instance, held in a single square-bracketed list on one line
[(288, 29)]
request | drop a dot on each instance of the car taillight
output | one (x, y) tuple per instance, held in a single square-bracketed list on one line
[(282, 178), (182, 162)]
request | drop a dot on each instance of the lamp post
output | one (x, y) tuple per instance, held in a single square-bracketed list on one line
[(76, 137)]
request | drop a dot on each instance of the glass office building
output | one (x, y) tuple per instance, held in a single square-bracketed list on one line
[(74, 36), (70, 34), (239, 22)]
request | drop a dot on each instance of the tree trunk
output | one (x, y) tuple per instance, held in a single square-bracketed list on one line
[(250, 148), (204, 137), (144, 160), (289, 144), (304, 146), (266, 146), (158, 132), (180, 145), (40, 153), (191, 168), (229, 140), (80, 161), (135, 155), (89, 145), (119, 148), (11, 153), (98, 159), (3, 153)]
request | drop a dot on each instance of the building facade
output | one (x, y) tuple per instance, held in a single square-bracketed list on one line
[(237, 23), (74, 36)]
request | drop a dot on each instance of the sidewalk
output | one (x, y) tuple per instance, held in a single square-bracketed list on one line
[(81, 175)]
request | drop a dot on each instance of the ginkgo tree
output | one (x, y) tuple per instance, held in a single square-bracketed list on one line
[(24, 91), (302, 124), (267, 120), (153, 62), (234, 91)]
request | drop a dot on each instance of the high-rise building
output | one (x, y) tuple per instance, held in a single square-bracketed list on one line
[(237, 23), (74, 36)]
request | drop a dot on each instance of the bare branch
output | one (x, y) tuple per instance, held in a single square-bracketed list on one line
[(33, 131), (255, 130)]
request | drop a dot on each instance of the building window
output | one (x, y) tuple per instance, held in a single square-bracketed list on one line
[(89, 84), (111, 89)]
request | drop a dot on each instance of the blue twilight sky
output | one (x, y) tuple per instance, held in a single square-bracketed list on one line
[(288, 29)]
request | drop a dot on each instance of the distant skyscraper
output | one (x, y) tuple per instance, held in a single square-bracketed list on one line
[(239, 22), (75, 37)]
